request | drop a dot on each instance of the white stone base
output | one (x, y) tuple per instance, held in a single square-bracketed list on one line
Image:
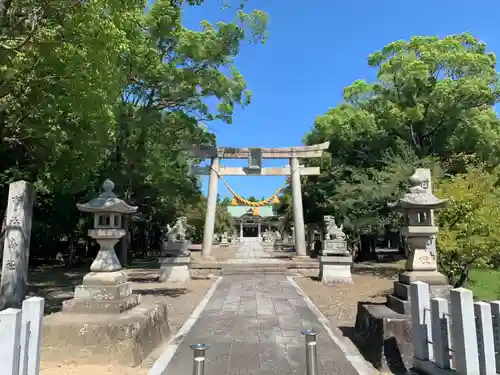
[(175, 269), (335, 269), (224, 243)]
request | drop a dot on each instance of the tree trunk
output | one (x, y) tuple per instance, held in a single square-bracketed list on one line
[(71, 251)]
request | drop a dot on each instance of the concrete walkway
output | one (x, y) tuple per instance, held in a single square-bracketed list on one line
[(252, 325)]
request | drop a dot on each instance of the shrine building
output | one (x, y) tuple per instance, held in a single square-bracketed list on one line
[(253, 221)]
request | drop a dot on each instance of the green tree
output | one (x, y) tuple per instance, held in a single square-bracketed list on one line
[(433, 99), (226, 202), (61, 74), (223, 221), (92, 90), (469, 227)]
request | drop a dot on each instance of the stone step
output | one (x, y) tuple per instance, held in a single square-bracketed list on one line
[(249, 269), (256, 273)]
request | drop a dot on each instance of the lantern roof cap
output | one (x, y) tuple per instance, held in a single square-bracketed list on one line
[(107, 202), (419, 197)]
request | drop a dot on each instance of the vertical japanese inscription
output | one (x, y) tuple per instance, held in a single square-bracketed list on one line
[(18, 218), (255, 158)]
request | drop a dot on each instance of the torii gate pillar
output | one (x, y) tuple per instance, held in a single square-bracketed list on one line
[(298, 211), (208, 230), (293, 154)]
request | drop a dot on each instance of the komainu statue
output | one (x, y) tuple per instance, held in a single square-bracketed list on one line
[(174, 240), (178, 231), (332, 231)]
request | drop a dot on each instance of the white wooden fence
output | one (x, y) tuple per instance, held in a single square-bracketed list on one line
[(456, 337), (20, 338)]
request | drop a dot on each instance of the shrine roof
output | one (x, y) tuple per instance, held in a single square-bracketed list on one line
[(239, 211)]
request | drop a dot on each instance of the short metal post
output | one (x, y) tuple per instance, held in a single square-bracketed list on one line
[(311, 354), (199, 358)]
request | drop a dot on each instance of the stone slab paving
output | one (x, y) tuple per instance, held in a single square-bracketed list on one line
[(252, 325), (252, 251)]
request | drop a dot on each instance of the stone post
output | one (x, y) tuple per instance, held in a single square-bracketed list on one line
[(16, 245), (259, 230), (463, 331), (208, 230), (241, 229), (440, 329), (298, 214), (495, 319), (31, 327), (485, 338), (11, 340), (421, 326)]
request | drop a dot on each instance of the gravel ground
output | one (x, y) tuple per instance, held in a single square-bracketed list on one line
[(181, 305), (339, 303)]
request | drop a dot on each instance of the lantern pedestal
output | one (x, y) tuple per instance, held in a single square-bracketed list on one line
[(102, 293), (420, 266), (175, 269), (400, 301), (105, 290)]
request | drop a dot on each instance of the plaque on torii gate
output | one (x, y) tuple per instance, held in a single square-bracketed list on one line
[(255, 155), (255, 158)]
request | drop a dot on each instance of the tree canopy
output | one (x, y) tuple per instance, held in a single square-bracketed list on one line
[(433, 99), (470, 225), (97, 89)]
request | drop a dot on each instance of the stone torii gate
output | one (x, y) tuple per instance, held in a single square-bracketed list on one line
[(255, 157)]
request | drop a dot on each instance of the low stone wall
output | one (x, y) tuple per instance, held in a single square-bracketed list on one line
[(303, 267), (208, 270), (198, 273), (384, 338), (205, 270), (125, 338)]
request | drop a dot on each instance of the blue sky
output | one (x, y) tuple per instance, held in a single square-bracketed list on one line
[(314, 50)]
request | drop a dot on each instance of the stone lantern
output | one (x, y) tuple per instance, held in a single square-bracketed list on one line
[(419, 229), (105, 288), (104, 316)]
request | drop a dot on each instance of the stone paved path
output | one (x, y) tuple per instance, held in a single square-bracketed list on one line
[(251, 251), (253, 325)]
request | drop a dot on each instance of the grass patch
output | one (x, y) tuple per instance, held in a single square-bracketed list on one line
[(485, 283)]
